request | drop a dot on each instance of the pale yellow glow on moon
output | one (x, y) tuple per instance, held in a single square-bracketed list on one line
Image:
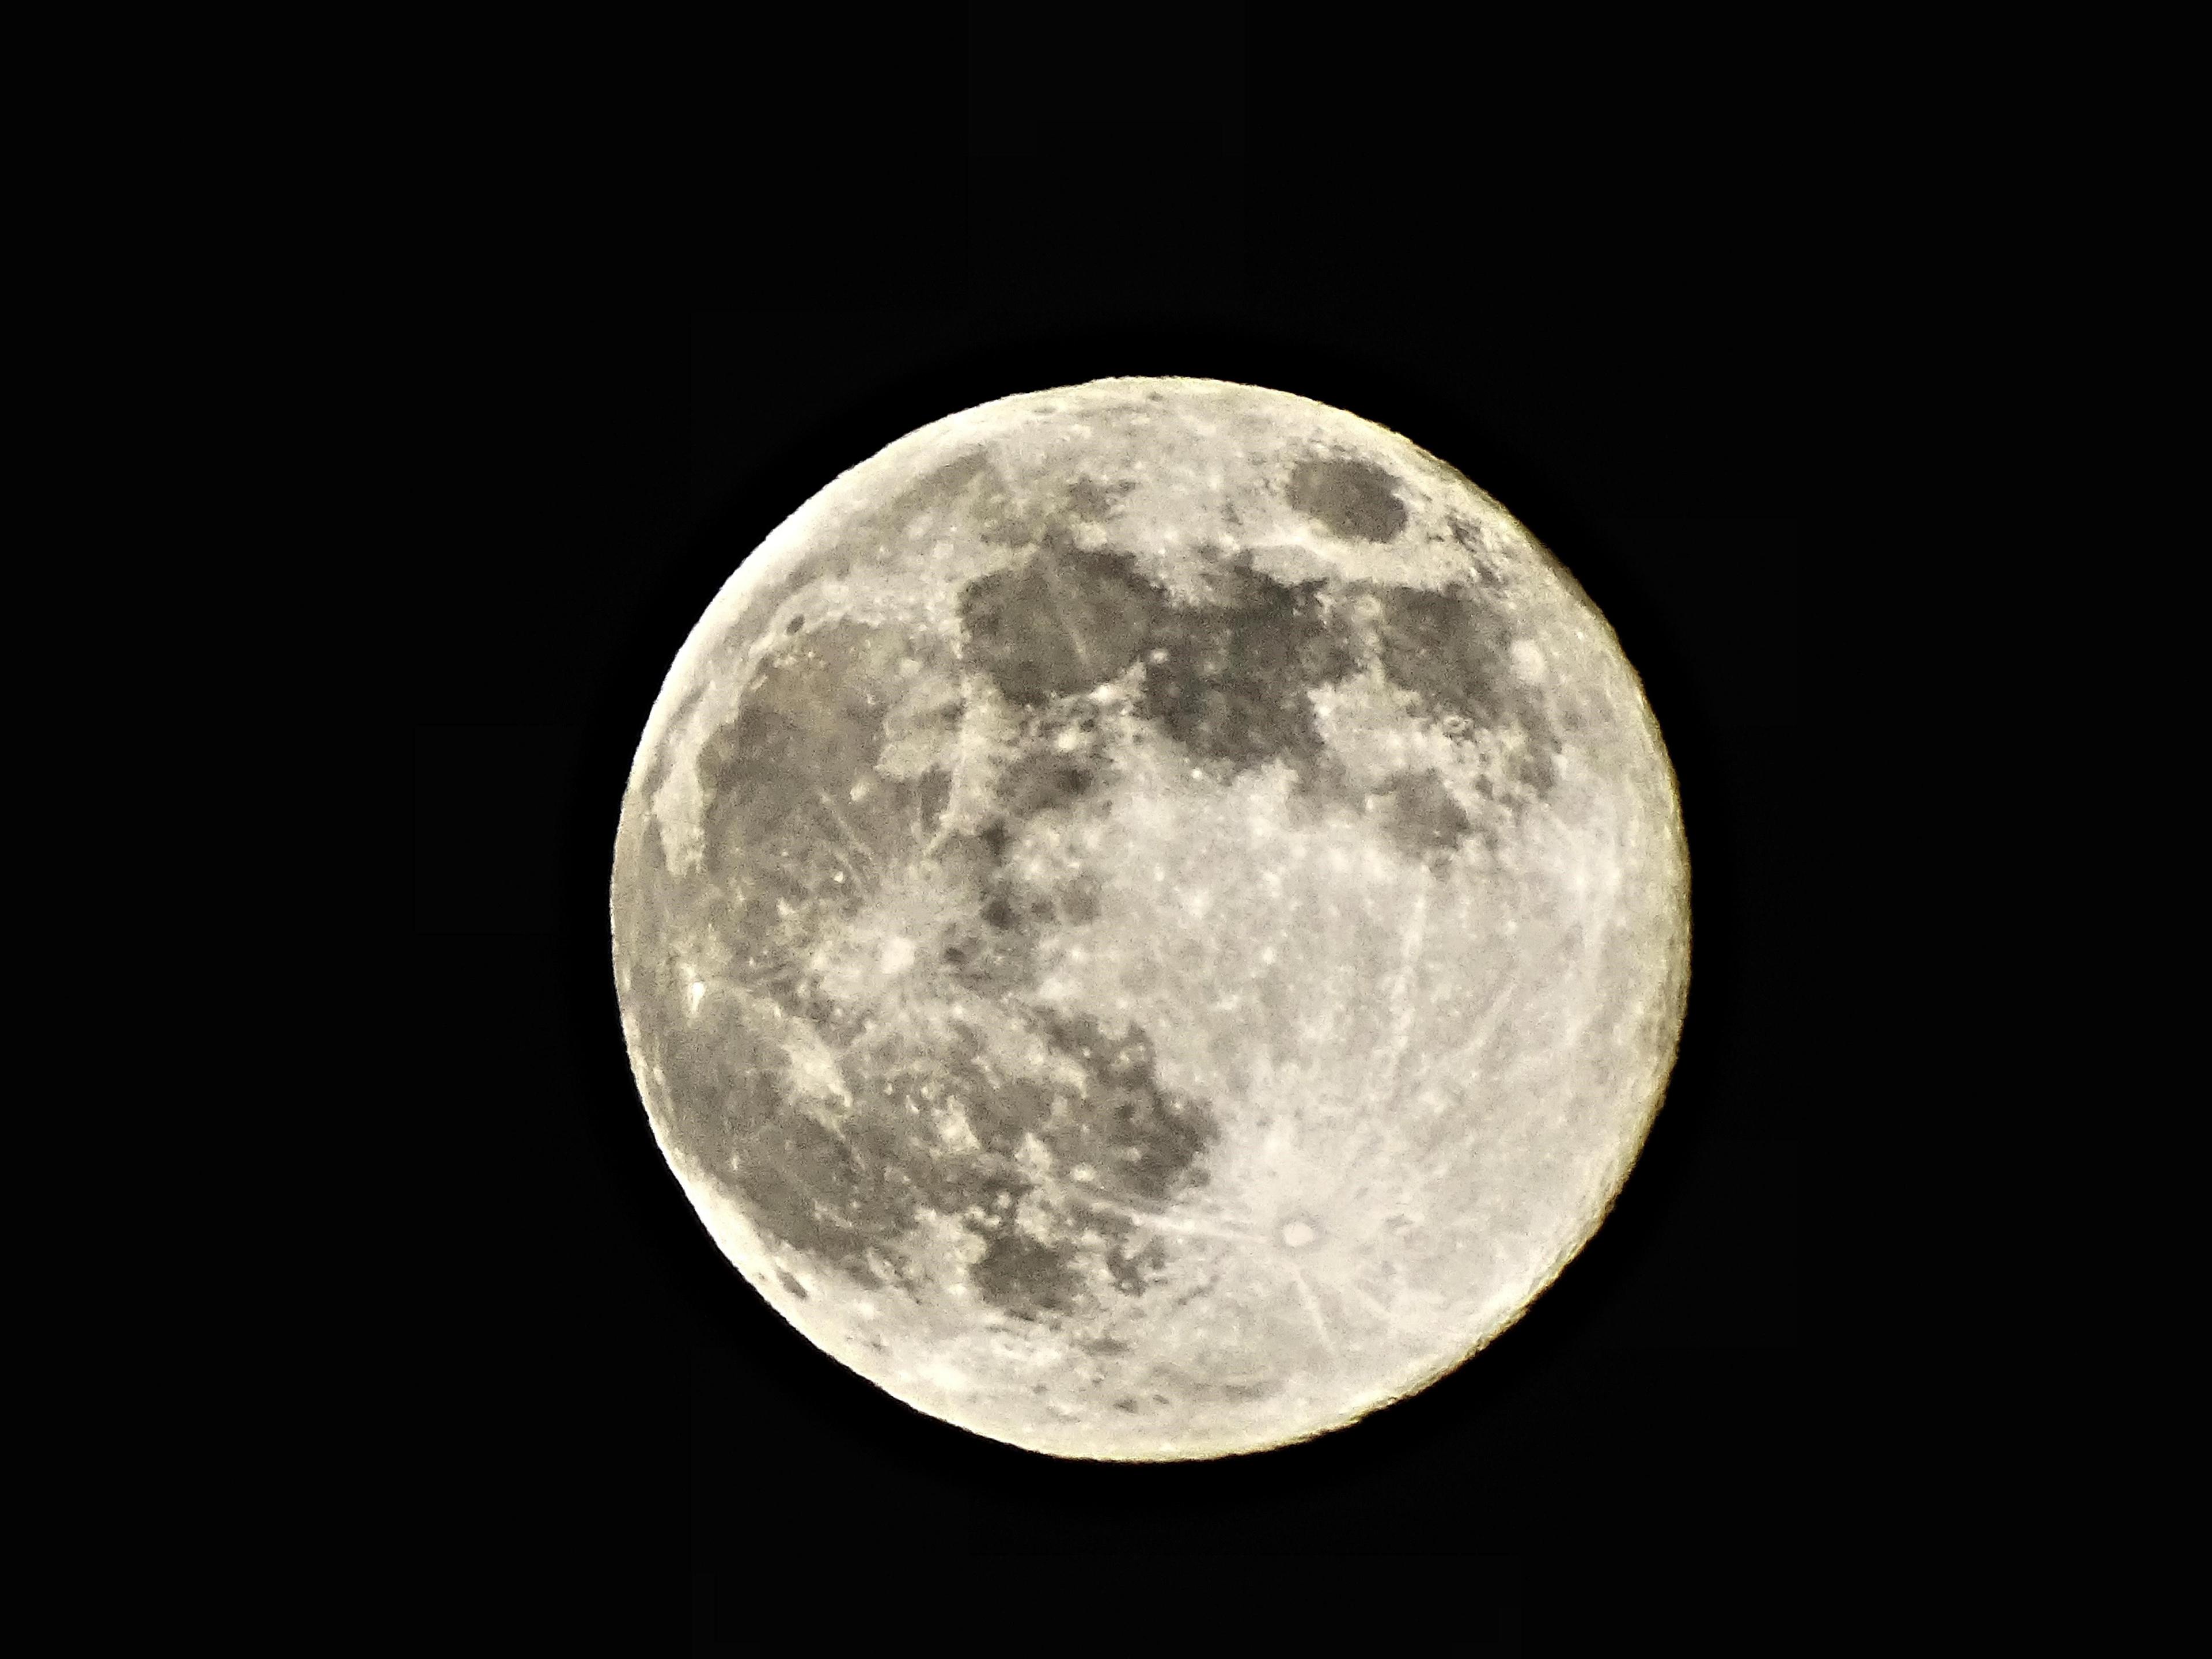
[(1151, 919)]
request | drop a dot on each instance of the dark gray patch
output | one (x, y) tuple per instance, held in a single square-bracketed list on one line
[(1065, 620), (1060, 756), (1145, 1142), (1227, 679), (1092, 501), (1347, 497), (993, 963), (998, 958), (1077, 902), (1013, 906), (1537, 765), (1134, 1269), (936, 496), (1042, 779), (1128, 1403), (780, 823), (995, 954), (1008, 1110), (790, 1284), (808, 1186), (722, 1076), (847, 1196), (1454, 652), (1418, 813), (1231, 686), (1233, 582), (1024, 1278)]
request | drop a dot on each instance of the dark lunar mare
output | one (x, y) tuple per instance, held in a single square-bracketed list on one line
[(789, 856), (1420, 818), (1451, 650), (1141, 1144), (1227, 679), (845, 1185), (783, 831), (788, 853), (1348, 497)]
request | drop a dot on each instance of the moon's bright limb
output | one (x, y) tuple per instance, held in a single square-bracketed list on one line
[(1150, 919)]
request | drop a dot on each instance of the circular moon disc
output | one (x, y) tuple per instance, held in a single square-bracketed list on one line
[(1150, 919)]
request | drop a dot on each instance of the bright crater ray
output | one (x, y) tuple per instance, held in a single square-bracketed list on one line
[(1150, 919)]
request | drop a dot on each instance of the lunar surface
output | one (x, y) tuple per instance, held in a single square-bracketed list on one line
[(1150, 919)]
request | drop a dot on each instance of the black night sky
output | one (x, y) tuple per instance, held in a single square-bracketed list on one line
[(1630, 399)]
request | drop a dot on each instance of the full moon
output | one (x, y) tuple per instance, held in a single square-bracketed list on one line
[(1150, 919)]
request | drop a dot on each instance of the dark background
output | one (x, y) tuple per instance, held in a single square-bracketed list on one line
[(612, 1380)]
